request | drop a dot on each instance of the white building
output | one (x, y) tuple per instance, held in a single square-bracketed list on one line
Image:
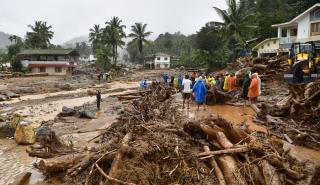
[(303, 28), (269, 47), (157, 61), (51, 61)]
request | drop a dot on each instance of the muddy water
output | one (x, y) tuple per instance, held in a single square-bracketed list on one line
[(233, 114), (48, 110)]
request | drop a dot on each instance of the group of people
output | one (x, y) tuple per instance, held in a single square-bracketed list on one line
[(198, 85)]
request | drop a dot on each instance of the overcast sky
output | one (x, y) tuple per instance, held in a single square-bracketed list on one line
[(72, 18)]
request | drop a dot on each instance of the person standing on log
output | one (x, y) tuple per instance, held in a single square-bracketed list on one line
[(200, 92), (253, 89), (165, 78), (186, 91), (98, 99), (246, 85), (225, 83), (259, 83)]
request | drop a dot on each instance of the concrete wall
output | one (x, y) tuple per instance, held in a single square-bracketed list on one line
[(51, 70), (304, 27)]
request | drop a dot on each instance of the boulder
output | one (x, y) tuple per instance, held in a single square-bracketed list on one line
[(12, 95), (15, 120), (25, 134), (6, 130), (42, 132), (83, 113), (91, 92), (3, 98), (66, 87), (66, 111)]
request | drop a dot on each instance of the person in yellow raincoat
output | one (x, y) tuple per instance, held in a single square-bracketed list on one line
[(226, 79), (175, 83)]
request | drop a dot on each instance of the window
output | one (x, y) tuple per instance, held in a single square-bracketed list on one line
[(315, 29), (165, 58), (274, 42), (58, 69), (284, 33), (166, 65), (293, 32), (158, 65), (42, 69), (158, 58), (268, 44)]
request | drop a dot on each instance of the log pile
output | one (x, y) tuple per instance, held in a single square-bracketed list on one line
[(152, 143), (266, 67)]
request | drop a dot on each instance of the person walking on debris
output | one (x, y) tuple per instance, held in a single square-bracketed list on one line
[(143, 84), (180, 79), (259, 83), (225, 83), (165, 78), (99, 77), (298, 75), (253, 89), (200, 91), (245, 85), (186, 90), (98, 97)]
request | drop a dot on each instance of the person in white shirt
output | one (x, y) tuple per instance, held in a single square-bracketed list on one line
[(186, 90)]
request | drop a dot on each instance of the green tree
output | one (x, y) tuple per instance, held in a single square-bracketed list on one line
[(95, 36), (235, 20), (115, 34), (40, 35), (139, 37)]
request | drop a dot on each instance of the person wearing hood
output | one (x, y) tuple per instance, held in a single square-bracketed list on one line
[(259, 83), (246, 85), (253, 92), (200, 91), (225, 83)]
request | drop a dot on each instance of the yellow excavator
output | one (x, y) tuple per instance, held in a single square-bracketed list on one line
[(306, 56)]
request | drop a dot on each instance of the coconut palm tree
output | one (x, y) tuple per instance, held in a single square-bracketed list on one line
[(115, 34), (234, 20), (94, 36), (40, 35), (139, 35)]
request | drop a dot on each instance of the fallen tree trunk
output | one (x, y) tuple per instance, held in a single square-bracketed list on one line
[(217, 171), (116, 164), (21, 179), (128, 97), (60, 163)]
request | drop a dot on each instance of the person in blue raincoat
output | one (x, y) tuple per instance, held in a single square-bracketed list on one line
[(180, 82), (200, 92), (165, 77), (143, 84)]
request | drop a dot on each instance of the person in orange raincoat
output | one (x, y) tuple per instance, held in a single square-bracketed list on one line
[(231, 82), (253, 89)]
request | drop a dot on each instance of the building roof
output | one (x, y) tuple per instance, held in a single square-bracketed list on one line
[(263, 42), (157, 55), (293, 21), (49, 52)]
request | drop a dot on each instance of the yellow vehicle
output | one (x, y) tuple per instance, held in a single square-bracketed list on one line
[(306, 55)]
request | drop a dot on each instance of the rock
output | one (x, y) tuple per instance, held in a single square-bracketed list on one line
[(15, 120), (3, 98), (66, 111), (6, 130), (12, 95), (66, 87), (24, 134), (23, 90), (42, 132), (87, 114)]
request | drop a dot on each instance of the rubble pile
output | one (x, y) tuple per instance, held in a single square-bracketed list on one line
[(301, 111), (152, 143)]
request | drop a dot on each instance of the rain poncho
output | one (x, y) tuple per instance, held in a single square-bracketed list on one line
[(180, 79), (143, 84), (200, 91), (254, 88), (165, 77), (225, 85), (175, 83)]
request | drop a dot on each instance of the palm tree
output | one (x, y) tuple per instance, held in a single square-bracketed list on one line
[(115, 35), (138, 36), (235, 18), (94, 36), (40, 35)]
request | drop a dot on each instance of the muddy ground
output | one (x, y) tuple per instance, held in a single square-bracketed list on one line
[(42, 98)]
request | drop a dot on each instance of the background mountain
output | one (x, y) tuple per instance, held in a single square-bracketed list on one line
[(4, 39), (72, 43)]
